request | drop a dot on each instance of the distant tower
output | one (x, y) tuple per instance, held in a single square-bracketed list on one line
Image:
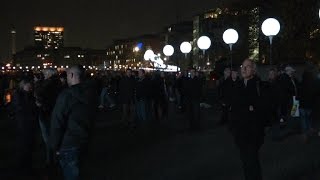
[(13, 42)]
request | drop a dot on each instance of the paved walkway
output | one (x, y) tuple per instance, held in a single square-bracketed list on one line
[(170, 153)]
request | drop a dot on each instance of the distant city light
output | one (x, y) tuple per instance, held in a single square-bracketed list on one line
[(140, 45), (50, 29), (136, 49)]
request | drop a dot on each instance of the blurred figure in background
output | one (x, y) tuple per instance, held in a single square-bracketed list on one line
[(46, 94), (25, 115), (126, 96)]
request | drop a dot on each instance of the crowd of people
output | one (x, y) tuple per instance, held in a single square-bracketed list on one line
[(64, 106)]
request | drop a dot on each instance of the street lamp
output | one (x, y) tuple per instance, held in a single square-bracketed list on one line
[(204, 43), (136, 49), (270, 27), (230, 37)]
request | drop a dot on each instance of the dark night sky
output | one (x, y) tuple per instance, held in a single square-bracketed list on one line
[(93, 23)]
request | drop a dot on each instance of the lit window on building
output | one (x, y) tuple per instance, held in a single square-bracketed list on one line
[(39, 55), (169, 29), (67, 56)]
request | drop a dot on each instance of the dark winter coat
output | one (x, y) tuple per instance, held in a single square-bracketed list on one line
[(46, 94), (192, 89), (126, 89), (25, 115), (73, 117), (143, 89), (248, 126)]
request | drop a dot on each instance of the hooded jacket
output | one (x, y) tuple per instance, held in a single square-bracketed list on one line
[(73, 116)]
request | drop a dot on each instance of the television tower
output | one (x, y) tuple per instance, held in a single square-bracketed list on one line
[(13, 49)]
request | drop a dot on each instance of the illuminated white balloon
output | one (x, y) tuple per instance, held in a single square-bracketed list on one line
[(168, 50), (270, 27), (185, 47), (149, 54), (204, 42), (230, 36)]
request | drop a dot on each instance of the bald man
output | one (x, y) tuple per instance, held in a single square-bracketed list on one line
[(72, 119), (247, 119)]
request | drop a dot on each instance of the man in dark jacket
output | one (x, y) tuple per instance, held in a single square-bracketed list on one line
[(192, 89), (46, 93), (246, 121), (160, 96), (72, 119), (287, 89), (126, 95), (142, 100)]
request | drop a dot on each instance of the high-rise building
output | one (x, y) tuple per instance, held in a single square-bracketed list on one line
[(48, 37)]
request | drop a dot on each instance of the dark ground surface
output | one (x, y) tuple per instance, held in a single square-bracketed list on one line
[(169, 152)]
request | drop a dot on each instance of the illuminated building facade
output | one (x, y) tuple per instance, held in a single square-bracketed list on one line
[(128, 53), (175, 34), (48, 37), (213, 23)]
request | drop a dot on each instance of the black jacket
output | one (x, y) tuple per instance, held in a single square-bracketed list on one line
[(46, 93), (24, 108), (307, 91), (248, 126), (287, 90), (192, 89), (143, 89), (226, 89), (126, 89), (73, 117)]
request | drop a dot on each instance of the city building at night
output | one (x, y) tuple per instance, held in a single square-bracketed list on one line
[(128, 53), (214, 22), (175, 34), (33, 56), (48, 37)]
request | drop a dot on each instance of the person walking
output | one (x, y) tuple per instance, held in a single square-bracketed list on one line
[(247, 119)]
